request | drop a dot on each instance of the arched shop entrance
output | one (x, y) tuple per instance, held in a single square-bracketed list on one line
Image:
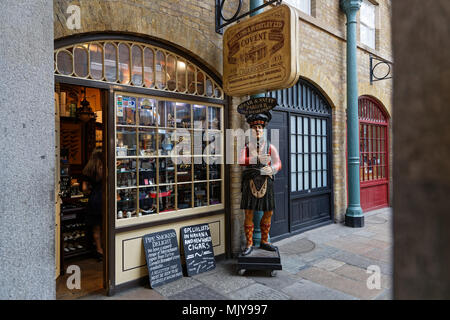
[(303, 188), (147, 96), (374, 154)]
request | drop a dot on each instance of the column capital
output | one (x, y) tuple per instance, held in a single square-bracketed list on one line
[(349, 6)]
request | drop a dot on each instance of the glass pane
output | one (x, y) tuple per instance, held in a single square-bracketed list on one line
[(160, 70), (181, 74), (214, 118), (171, 77), (293, 144), (293, 182), (147, 172), (126, 203), (300, 181), (319, 144), (199, 113), (183, 117), (166, 170), (305, 126), (209, 87), (64, 61), (137, 66), (299, 144), (110, 62), (147, 201), (293, 163), (147, 111), (313, 143), (184, 172), (313, 162), (184, 196), (305, 144), (313, 126), (81, 61), (324, 144), (147, 142), (293, 124), (324, 176), (306, 181), (324, 128), (126, 142), (96, 61), (214, 143), (299, 125), (319, 126), (166, 114), (126, 110), (217, 92), (200, 194), (200, 172), (215, 192), (124, 63), (313, 179), (126, 173), (319, 179), (319, 161), (215, 171), (149, 75), (200, 83), (191, 78), (166, 142), (300, 162), (305, 163), (324, 161), (166, 198)]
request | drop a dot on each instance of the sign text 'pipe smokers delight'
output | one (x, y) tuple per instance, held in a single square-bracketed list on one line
[(260, 53)]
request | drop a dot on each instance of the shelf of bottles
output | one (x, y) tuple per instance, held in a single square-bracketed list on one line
[(169, 156)]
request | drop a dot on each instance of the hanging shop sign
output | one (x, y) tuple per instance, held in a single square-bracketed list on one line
[(198, 249), (257, 105), (163, 257), (261, 53)]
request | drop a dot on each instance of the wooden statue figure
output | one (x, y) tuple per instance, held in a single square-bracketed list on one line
[(262, 162)]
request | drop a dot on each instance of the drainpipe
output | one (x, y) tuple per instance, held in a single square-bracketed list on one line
[(354, 216), (257, 215)]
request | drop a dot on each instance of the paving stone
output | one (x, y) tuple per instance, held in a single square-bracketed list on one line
[(329, 264), (297, 246), (307, 290), (384, 255), (361, 274), (350, 246), (361, 261), (385, 295), (365, 233), (140, 293), (292, 263), (321, 252), (280, 281), (179, 285), (200, 292), (258, 291), (224, 280), (329, 279)]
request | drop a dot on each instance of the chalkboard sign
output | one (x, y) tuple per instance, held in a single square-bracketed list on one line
[(198, 249), (163, 257)]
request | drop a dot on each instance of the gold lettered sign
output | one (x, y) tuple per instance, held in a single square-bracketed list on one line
[(260, 54)]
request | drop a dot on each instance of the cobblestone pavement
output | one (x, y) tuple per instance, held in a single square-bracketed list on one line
[(329, 262)]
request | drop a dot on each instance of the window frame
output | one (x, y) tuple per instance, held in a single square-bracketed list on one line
[(364, 25)]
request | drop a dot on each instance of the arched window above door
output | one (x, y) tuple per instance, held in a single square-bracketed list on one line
[(135, 64)]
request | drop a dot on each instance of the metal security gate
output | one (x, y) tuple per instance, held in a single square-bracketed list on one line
[(374, 154), (303, 188)]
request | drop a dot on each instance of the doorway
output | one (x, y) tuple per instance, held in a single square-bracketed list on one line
[(303, 188), (80, 204)]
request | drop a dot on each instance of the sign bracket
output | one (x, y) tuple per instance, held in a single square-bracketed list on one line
[(373, 66), (222, 22)]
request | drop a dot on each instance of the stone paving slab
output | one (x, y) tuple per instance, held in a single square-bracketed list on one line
[(308, 290), (361, 274), (280, 281), (328, 264), (179, 285), (224, 280), (258, 291), (200, 292), (361, 261), (384, 255), (332, 280)]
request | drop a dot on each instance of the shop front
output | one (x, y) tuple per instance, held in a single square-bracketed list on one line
[(161, 115)]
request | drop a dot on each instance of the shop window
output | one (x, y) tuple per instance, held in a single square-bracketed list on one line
[(309, 153), (135, 64), (373, 141), (169, 156), (367, 26)]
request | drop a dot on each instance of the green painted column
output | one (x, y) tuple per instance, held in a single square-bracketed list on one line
[(354, 216), (257, 215)]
